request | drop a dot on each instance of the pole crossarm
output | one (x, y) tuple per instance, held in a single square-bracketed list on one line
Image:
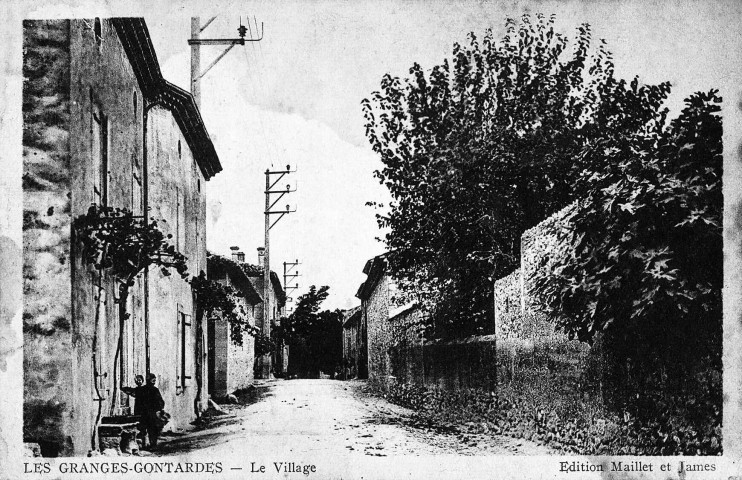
[(276, 212), (219, 41)]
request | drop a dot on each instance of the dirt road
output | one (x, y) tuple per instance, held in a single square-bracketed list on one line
[(308, 417)]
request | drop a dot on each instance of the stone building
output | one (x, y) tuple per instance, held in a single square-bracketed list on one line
[(279, 360), (375, 295), (354, 344), (231, 364), (102, 126)]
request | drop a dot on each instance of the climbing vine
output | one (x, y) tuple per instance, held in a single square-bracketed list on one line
[(215, 298), (124, 244)]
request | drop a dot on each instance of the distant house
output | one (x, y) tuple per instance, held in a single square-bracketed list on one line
[(375, 295), (230, 364), (278, 361), (354, 344), (102, 126)]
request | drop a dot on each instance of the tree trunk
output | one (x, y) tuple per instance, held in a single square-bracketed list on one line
[(117, 367)]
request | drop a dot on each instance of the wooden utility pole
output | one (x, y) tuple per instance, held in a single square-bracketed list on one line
[(265, 362), (196, 41)]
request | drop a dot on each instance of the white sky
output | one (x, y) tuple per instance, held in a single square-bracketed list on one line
[(294, 98)]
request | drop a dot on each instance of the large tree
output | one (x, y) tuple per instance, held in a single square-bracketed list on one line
[(640, 254), (481, 148), (314, 337)]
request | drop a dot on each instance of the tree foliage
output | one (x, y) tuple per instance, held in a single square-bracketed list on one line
[(115, 240), (314, 336), (217, 300), (481, 148), (641, 252), (125, 244)]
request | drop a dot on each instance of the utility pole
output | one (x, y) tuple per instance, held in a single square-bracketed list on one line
[(287, 268), (196, 41), (267, 308)]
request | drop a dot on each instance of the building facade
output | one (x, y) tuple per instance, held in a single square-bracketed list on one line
[(354, 344), (102, 126), (375, 295), (231, 362), (276, 363)]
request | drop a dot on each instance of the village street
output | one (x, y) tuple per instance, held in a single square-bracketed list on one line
[(306, 417)]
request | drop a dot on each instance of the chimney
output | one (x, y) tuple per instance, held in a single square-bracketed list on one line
[(240, 256), (261, 255), (236, 253)]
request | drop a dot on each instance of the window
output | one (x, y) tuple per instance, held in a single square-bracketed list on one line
[(179, 222), (185, 349), (137, 194), (99, 152), (100, 374), (98, 31), (135, 101), (179, 150)]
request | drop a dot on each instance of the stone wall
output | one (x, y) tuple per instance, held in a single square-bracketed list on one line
[(353, 344), (376, 313), (233, 364), (47, 325), (508, 309), (255, 274), (525, 346), (451, 365), (241, 358)]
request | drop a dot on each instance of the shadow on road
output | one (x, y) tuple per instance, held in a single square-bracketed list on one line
[(209, 429)]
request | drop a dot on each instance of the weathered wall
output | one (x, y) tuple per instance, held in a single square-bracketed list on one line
[(451, 365), (46, 235), (219, 346), (176, 201), (376, 316), (82, 104), (354, 344), (97, 79), (525, 345), (261, 367), (241, 358), (508, 311), (233, 364), (527, 339), (102, 82)]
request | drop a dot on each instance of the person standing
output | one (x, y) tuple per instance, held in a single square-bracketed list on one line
[(138, 405), (148, 403)]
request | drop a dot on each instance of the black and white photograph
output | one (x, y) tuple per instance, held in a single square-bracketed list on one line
[(371, 240)]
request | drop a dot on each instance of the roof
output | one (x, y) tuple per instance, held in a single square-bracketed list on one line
[(351, 315), (374, 270), (137, 44), (218, 265), (254, 271)]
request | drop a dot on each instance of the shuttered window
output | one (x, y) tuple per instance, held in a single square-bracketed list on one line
[(185, 349)]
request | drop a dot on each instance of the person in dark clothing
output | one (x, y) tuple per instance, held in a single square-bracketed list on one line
[(132, 391), (148, 402)]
